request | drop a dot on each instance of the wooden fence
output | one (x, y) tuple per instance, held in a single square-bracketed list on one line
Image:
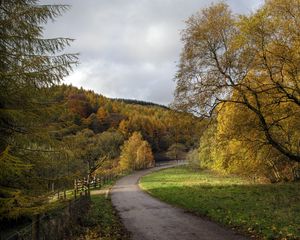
[(86, 184), (57, 224)]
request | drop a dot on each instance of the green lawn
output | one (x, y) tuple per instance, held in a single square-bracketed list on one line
[(271, 211)]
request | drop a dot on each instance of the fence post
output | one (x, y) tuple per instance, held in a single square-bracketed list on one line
[(75, 186), (88, 190), (65, 194), (88, 185), (82, 184), (36, 227)]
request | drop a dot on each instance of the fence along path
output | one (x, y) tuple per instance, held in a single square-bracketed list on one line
[(55, 225)]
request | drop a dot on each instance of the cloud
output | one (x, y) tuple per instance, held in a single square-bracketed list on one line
[(129, 48)]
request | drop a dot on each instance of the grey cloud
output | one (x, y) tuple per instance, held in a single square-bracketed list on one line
[(129, 48)]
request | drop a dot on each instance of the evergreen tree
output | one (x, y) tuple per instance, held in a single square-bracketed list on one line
[(29, 65)]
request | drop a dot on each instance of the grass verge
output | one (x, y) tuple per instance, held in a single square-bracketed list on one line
[(102, 221), (269, 211)]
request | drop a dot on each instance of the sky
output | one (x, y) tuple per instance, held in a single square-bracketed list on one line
[(129, 48)]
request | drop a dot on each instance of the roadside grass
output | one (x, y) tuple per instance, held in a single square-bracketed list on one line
[(267, 211), (102, 221)]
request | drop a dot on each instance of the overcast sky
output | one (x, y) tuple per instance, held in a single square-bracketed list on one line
[(129, 48)]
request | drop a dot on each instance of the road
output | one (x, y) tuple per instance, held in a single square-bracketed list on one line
[(150, 219)]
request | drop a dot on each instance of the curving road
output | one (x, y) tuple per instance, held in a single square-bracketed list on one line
[(150, 219)]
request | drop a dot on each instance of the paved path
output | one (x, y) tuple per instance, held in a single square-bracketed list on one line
[(150, 219)]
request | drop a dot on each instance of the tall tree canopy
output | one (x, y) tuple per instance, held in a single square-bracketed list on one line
[(29, 65), (250, 61)]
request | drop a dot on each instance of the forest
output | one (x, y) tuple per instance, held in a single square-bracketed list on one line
[(80, 133)]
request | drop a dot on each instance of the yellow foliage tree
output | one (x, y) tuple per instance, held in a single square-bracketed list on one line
[(136, 153), (249, 62), (102, 114), (144, 156)]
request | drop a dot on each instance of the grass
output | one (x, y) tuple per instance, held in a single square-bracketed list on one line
[(268, 211), (102, 221)]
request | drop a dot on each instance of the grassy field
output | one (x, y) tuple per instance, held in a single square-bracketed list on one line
[(270, 211)]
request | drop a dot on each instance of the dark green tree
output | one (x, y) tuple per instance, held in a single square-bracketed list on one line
[(29, 65)]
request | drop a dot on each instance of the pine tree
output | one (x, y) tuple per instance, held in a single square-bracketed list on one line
[(29, 65)]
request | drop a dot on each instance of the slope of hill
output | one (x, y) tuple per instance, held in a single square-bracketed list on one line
[(83, 132)]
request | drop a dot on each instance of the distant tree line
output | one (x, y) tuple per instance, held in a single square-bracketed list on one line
[(139, 102)]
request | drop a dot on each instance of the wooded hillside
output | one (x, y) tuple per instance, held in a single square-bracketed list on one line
[(82, 133)]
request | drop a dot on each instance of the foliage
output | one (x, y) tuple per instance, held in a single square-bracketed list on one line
[(136, 153), (225, 147), (249, 63), (29, 65), (267, 210), (193, 159), (207, 146), (139, 102), (176, 151)]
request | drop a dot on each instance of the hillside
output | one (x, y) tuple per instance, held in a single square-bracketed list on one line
[(81, 132)]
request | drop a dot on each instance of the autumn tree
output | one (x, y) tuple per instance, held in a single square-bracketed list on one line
[(193, 159), (176, 151), (136, 153), (144, 156), (208, 145), (249, 61)]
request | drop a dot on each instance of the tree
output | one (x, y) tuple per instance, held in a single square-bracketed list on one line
[(28, 62), (207, 146), (193, 159), (247, 154), (136, 153), (102, 114), (144, 156), (250, 61), (79, 104), (176, 151), (29, 65)]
